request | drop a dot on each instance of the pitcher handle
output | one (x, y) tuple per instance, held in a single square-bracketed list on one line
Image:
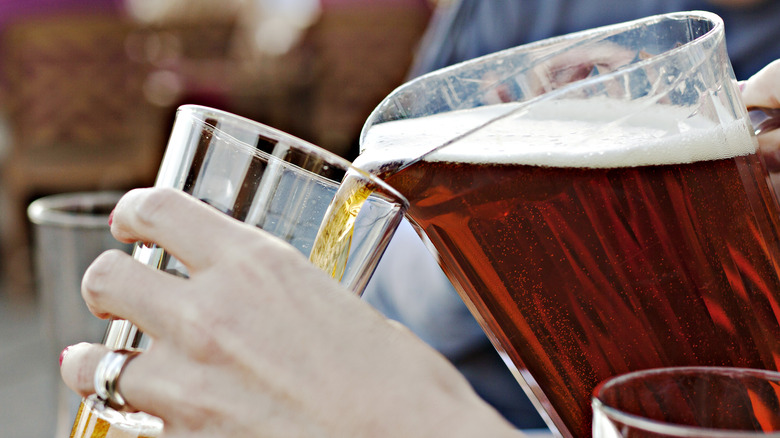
[(764, 119)]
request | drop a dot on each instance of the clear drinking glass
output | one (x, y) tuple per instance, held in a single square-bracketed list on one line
[(597, 201), (689, 402), (69, 231), (264, 177)]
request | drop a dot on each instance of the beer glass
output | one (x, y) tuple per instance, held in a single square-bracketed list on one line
[(69, 231), (689, 402), (598, 202), (263, 177)]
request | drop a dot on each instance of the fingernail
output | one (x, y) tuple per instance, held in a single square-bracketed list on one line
[(741, 85), (111, 218), (63, 354)]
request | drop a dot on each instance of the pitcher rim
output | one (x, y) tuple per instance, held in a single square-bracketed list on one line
[(717, 31)]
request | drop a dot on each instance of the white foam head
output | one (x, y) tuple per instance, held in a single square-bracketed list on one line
[(597, 132)]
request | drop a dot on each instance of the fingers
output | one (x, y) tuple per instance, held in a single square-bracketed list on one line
[(138, 380), (176, 222), (116, 285), (762, 89), (78, 366)]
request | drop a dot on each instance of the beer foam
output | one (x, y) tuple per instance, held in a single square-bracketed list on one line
[(598, 133)]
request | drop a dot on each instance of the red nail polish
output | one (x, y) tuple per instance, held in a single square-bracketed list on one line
[(63, 354), (111, 218)]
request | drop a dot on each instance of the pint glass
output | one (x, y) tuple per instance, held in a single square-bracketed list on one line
[(264, 177), (69, 230), (597, 201), (688, 402)]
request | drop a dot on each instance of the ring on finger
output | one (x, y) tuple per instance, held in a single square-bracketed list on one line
[(107, 374)]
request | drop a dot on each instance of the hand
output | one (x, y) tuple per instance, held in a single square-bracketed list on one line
[(258, 342), (762, 90)]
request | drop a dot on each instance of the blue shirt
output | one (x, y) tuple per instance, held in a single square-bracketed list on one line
[(473, 28)]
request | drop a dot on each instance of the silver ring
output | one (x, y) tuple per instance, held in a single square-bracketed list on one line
[(106, 379)]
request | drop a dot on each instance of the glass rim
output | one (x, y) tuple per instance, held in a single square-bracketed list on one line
[(72, 209), (199, 111), (717, 31), (718, 28), (679, 430)]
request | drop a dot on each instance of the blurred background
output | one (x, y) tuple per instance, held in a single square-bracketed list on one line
[(88, 90)]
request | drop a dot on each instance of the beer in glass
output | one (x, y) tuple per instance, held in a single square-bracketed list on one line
[(266, 178)]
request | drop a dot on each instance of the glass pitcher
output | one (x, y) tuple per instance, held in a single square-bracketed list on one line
[(598, 203)]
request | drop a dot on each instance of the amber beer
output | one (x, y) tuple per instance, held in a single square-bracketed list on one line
[(93, 420), (585, 270)]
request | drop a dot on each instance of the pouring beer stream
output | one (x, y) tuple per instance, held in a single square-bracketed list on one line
[(264, 178), (620, 222), (529, 248)]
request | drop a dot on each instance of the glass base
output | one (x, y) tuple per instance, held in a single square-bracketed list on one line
[(96, 420)]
